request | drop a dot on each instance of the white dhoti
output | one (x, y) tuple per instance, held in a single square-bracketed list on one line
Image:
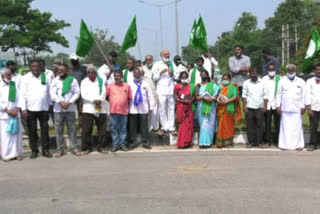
[(153, 118), (166, 112), (291, 131), (11, 145)]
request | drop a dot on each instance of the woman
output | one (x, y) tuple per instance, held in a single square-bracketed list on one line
[(229, 112), (206, 94), (184, 96), (11, 138)]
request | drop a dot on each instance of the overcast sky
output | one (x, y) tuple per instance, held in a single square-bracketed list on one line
[(218, 16)]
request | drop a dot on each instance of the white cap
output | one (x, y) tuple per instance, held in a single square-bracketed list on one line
[(74, 56)]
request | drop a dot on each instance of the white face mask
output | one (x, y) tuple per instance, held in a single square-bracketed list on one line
[(185, 81), (291, 76), (272, 73), (166, 60)]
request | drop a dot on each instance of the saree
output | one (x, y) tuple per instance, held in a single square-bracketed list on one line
[(228, 115), (184, 117), (207, 122)]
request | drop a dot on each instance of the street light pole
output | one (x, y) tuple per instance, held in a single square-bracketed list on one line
[(177, 28), (161, 35)]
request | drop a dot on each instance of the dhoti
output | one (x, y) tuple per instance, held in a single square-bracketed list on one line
[(153, 118), (291, 131), (11, 145), (166, 112)]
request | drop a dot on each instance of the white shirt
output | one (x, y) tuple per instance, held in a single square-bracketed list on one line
[(148, 78), (254, 93), (17, 78), (147, 99), (71, 96), (291, 94), (103, 72), (177, 70), (4, 102), (208, 62), (165, 81), (49, 75), (198, 77), (269, 85), (313, 94), (90, 91), (34, 96)]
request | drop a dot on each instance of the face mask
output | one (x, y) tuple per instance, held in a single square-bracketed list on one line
[(225, 82), (254, 78), (166, 60), (149, 65), (92, 78), (204, 79), (272, 73), (291, 76), (185, 81)]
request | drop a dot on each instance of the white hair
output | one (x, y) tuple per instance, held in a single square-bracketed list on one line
[(291, 66), (91, 68)]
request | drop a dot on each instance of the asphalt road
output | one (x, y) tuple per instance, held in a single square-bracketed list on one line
[(164, 182)]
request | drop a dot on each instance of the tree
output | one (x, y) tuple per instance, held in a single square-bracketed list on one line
[(23, 27), (107, 44)]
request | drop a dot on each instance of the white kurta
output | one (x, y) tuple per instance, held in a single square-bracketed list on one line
[(11, 145)]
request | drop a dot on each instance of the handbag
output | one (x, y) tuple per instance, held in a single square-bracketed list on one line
[(13, 126)]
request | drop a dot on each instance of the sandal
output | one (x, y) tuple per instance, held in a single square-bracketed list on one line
[(160, 132), (58, 154), (174, 133)]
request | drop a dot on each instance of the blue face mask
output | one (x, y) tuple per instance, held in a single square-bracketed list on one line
[(291, 76)]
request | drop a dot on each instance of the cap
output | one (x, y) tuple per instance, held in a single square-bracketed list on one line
[(74, 56)]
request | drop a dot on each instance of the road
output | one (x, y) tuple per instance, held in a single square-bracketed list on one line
[(217, 181)]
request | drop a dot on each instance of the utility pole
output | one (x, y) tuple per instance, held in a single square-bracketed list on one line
[(282, 47), (296, 37), (288, 45), (177, 28)]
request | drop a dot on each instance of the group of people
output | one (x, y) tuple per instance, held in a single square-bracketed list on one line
[(150, 96)]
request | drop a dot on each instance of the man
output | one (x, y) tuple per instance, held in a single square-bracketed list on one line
[(119, 96), (190, 67), (163, 75), (128, 72), (313, 108), (210, 63), (140, 106), (12, 66), (254, 105), (49, 74), (11, 142), (64, 92), (178, 67), (79, 72), (113, 61), (268, 60), (239, 66), (153, 118), (35, 101), (270, 85), (93, 94), (139, 64), (106, 70), (290, 105), (56, 66), (194, 76)]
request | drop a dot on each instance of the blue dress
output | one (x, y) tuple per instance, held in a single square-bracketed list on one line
[(207, 123)]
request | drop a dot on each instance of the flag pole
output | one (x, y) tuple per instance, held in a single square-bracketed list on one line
[(104, 56), (139, 49)]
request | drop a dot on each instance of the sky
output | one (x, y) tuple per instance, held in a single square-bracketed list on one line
[(115, 16)]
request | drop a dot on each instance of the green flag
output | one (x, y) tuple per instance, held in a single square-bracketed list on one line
[(313, 48), (85, 41), (201, 35), (192, 40), (130, 39)]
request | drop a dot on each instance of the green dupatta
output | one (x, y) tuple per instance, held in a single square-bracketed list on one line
[(207, 106)]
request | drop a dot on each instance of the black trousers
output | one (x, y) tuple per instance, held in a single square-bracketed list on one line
[(254, 119), (32, 118), (268, 136), (87, 126), (138, 121), (314, 121)]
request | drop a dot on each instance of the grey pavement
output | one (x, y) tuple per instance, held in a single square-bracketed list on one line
[(215, 181)]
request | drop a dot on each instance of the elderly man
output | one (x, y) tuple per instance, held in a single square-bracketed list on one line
[(239, 66), (141, 104), (34, 101), (163, 75), (254, 105), (313, 108), (270, 86), (64, 92), (93, 94), (290, 102), (119, 96), (11, 142), (56, 66), (153, 118)]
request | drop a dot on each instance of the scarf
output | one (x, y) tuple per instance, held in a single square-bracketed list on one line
[(100, 82), (12, 91), (277, 82), (66, 85), (192, 90), (171, 66), (193, 76), (43, 78), (125, 77), (138, 96), (207, 106), (230, 106)]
